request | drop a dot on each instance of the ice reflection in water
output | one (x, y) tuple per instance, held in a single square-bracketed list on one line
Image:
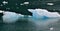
[(45, 24), (30, 24), (44, 21)]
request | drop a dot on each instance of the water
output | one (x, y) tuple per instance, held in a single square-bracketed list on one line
[(30, 24)]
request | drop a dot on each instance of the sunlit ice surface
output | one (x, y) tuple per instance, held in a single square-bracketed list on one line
[(11, 17), (43, 13)]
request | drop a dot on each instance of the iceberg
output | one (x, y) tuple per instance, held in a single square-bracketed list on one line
[(10, 17), (43, 13)]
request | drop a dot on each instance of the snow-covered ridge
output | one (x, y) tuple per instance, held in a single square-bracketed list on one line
[(42, 13)]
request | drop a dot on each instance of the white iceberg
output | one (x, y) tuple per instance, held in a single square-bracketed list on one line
[(26, 2), (10, 17), (50, 4), (43, 13)]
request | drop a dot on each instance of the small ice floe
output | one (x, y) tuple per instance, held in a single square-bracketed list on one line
[(51, 28), (43, 13), (5, 2), (26, 2), (21, 15), (21, 4), (50, 3), (1, 11), (10, 17)]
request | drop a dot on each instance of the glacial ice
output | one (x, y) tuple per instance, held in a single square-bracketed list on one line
[(10, 17), (43, 13)]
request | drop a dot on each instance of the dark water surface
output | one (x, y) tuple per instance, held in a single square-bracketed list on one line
[(29, 24)]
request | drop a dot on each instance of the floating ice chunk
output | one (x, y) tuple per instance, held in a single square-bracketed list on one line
[(42, 13), (1, 11), (21, 15), (10, 17), (5, 2), (50, 4), (51, 28), (21, 4), (26, 2)]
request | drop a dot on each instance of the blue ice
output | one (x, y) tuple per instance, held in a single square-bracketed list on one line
[(43, 13)]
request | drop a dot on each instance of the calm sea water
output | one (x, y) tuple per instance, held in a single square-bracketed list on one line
[(30, 24)]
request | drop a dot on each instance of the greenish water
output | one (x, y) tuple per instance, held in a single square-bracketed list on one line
[(30, 24), (33, 4)]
